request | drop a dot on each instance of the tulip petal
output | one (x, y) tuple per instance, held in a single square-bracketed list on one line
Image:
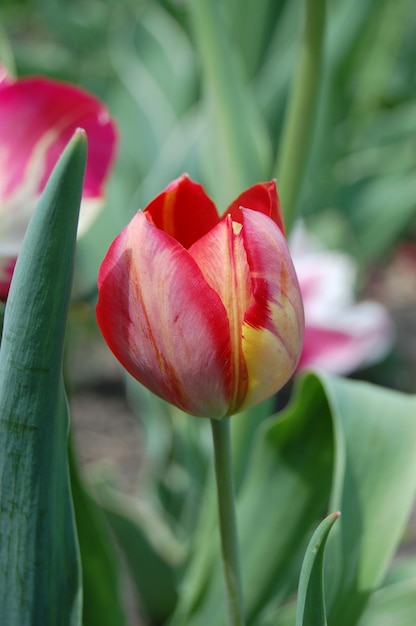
[(184, 211), (6, 273), (37, 119), (261, 197), (5, 77), (162, 320), (222, 258), (359, 336), (341, 335), (273, 326)]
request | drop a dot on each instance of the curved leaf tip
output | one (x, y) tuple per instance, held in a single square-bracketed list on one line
[(310, 610)]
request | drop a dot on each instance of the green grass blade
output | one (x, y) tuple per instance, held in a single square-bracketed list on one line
[(311, 601), (39, 557)]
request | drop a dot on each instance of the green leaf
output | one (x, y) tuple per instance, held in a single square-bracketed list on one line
[(100, 570), (286, 490), (392, 607), (311, 601), (395, 602), (342, 445), (374, 487), (40, 568), (286, 487)]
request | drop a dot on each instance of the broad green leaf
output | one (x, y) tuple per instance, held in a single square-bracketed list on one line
[(394, 603), (40, 579), (392, 607), (284, 495), (403, 569), (100, 568), (311, 600), (374, 488)]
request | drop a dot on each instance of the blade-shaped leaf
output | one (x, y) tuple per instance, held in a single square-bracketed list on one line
[(311, 601), (100, 571), (40, 568)]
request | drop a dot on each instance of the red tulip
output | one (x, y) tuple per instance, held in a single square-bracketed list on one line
[(37, 119), (204, 311)]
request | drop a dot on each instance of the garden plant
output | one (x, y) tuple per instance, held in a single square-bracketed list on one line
[(212, 183)]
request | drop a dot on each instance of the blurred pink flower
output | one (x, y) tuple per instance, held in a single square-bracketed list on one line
[(38, 117), (341, 335)]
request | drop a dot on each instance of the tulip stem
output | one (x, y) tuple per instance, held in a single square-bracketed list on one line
[(299, 122), (227, 520)]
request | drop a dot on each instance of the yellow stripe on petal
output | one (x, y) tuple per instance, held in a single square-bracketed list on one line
[(272, 332), (222, 259), (271, 358)]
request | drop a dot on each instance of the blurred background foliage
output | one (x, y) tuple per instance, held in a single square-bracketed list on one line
[(142, 58)]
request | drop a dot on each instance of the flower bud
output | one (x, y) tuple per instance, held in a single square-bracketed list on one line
[(205, 311)]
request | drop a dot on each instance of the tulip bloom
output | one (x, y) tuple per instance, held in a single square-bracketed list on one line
[(37, 119), (341, 335), (205, 311)]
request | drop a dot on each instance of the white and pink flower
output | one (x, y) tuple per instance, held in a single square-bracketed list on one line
[(38, 117), (341, 335)]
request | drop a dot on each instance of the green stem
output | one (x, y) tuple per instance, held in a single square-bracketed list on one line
[(300, 117), (227, 520)]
